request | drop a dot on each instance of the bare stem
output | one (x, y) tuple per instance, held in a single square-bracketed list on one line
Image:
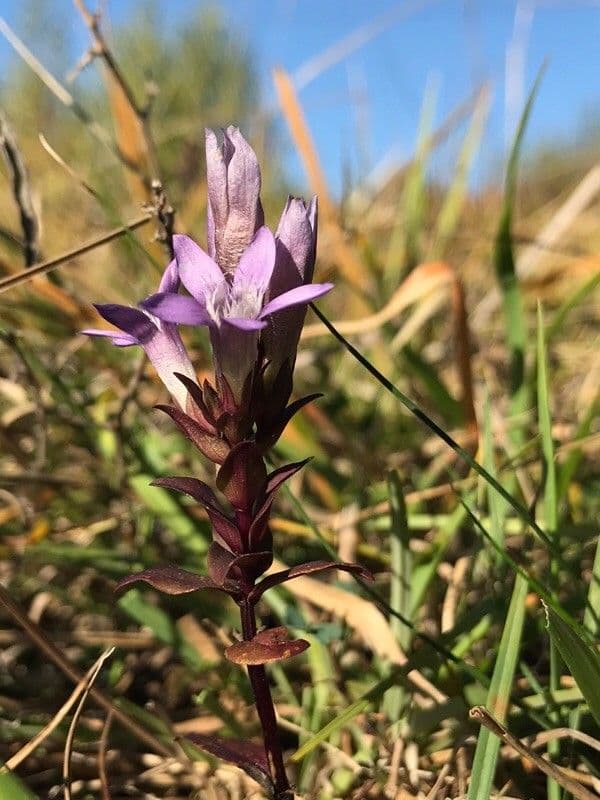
[(264, 705)]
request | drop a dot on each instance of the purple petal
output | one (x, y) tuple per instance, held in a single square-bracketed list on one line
[(119, 339), (296, 246), (131, 320), (176, 308), (256, 263), (301, 295), (245, 324), (170, 279), (197, 271)]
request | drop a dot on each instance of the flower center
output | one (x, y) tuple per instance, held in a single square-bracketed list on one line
[(238, 302)]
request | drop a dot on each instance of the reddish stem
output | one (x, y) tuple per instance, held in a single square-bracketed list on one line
[(264, 705)]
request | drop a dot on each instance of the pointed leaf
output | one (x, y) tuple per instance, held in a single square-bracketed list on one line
[(242, 475), (582, 660), (195, 393), (199, 490), (169, 580), (306, 569), (269, 433), (212, 447), (249, 756)]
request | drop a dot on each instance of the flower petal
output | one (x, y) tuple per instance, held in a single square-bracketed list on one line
[(119, 339), (197, 271), (245, 324), (170, 280), (131, 320), (177, 309), (256, 263), (301, 295)]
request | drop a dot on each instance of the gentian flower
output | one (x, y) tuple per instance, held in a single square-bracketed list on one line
[(296, 246), (160, 340), (234, 211), (235, 308)]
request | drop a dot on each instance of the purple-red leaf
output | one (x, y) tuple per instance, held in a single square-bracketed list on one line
[(261, 515), (282, 474), (169, 580), (249, 756), (212, 447), (242, 475), (306, 569), (268, 434), (195, 393), (222, 563), (273, 644), (199, 490)]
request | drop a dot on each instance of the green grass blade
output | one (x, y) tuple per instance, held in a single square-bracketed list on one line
[(400, 585), (403, 252), (12, 788), (498, 699), (582, 660), (545, 425), (591, 617), (551, 512), (450, 212), (504, 264), (433, 426)]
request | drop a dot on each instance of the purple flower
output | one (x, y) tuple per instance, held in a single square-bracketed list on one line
[(160, 340), (235, 308), (234, 210), (296, 245)]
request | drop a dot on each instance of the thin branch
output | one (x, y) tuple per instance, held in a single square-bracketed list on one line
[(46, 266), (21, 191), (483, 716)]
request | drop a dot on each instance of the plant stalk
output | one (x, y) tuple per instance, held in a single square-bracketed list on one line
[(266, 710)]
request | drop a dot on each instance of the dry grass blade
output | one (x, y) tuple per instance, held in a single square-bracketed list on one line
[(88, 682), (103, 747), (59, 91), (349, 265), (422, 281), (131, 124), (41, 269), (34, 743), (67, 168), (482, 715), (528, 263)]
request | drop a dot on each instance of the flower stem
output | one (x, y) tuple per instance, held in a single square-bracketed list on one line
[(266, 710)]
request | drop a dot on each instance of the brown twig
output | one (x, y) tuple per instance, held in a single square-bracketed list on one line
[(21, 191), (103, 747), (46, 266), (483, 716)]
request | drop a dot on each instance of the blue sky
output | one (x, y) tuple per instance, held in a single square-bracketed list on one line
[(374, 95)]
